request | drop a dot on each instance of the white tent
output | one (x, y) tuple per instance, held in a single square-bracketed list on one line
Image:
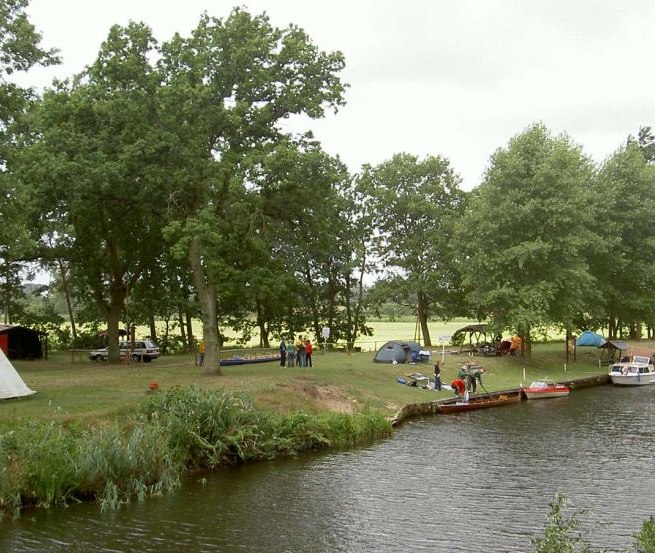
[(11, 384)]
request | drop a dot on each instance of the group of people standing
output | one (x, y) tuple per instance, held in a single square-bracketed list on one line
[(296, 353), (468, 378)]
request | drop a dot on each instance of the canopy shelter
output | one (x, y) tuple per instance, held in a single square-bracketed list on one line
[(477, 330), (19, 342), (612, 346)]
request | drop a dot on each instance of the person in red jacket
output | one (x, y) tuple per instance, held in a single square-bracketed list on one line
[(458, 387), (308, 352)]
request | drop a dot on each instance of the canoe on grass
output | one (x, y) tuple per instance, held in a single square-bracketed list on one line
[(248, 360)]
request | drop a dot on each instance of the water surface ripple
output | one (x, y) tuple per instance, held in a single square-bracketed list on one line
[(473, 482)]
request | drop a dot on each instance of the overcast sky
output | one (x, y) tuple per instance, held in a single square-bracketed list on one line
[(457, 78)]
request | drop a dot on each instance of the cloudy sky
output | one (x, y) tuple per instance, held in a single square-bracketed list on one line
[(457, 78)]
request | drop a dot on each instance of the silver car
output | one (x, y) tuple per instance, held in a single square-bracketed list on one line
[(144, 350)]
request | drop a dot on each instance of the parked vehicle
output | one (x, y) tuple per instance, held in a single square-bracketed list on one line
[(144, 350)]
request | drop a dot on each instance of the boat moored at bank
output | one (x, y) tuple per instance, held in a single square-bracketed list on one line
[(545, 388), (639, 371), (484, 401)]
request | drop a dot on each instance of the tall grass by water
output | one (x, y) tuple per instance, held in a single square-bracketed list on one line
[(54, 463)]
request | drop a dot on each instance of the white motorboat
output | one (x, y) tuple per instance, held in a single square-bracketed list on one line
[(637, 372)]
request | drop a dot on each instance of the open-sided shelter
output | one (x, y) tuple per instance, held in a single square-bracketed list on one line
[(400, 351), (11, 384), (612, 346), (479, 331), (19, 342)]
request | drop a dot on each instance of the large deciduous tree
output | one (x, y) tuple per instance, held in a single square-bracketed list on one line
[(99, 170), (527, 234), (414, 204), (20, 50), (625, 195), (229, 86)]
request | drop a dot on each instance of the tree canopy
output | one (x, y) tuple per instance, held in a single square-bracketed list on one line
[(162, 183), (527, 234)]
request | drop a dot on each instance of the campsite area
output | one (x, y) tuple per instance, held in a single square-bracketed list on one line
[(92, 392)]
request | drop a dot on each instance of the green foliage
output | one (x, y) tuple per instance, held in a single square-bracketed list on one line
[(212, 428), (517, 273), (645, 539), (625, 194), (19, 40), (561, 533), (414, 205), (46, 464)]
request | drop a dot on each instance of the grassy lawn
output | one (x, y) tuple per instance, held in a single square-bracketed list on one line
[(91, 392)]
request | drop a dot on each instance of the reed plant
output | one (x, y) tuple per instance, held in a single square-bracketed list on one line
[(43, 464)]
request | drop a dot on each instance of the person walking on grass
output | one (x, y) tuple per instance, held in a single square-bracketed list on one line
[(308, 352), (300, 352), (291, 353)]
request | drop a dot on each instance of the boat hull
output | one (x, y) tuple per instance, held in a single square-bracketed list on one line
[(479, 402), (633, 379), (538, 394)]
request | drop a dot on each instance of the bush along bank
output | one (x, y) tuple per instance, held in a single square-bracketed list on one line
[(47, 464)]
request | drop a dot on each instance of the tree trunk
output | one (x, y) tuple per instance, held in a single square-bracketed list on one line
[(526, 346), (422, 310), (113, 316), (153, 327), (189, 329), (261, 324), (167, 327), (67, 295), (180, 321), (207, 301), (351, 329)]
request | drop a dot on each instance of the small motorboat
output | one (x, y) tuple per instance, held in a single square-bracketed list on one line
[(545, 388), (638, 371)]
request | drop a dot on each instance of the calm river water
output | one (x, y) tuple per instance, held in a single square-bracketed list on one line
[(476, 482)]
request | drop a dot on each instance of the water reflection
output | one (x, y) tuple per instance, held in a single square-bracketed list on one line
[(478, 481)]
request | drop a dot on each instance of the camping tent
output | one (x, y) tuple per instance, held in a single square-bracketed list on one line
[(589, 338), (397, 350), (11, 384)]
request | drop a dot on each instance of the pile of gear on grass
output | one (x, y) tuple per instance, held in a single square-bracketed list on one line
[(397, 352), (469, 377)]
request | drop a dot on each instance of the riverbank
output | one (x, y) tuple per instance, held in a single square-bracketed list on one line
[(432, 407), (98, 432)]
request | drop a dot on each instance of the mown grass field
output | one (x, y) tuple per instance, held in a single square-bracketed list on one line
[(91, 392)]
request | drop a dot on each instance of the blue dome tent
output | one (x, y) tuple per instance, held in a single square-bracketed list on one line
[(589, 338)]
